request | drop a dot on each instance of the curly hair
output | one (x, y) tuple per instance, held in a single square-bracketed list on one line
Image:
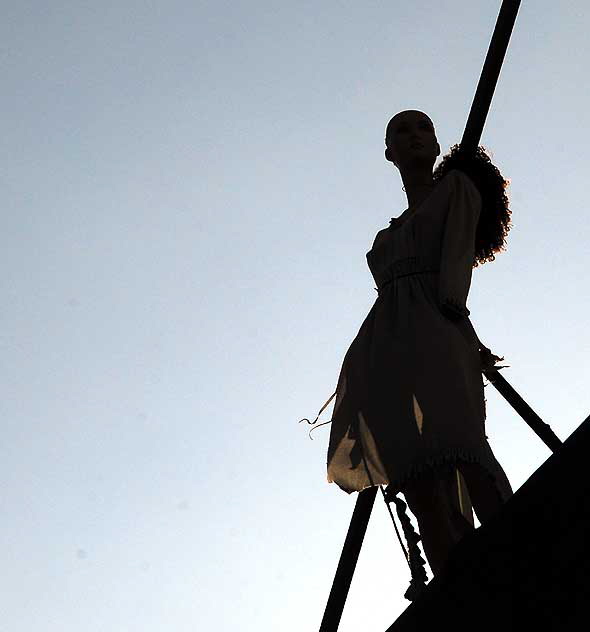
[(494, 220)]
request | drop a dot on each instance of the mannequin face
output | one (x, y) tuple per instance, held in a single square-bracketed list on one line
[(406, 129)]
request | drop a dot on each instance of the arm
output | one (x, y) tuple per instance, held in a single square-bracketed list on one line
[(458, 245), (488, 359), (458, 252)]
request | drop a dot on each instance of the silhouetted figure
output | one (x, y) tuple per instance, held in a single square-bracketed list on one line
[(411, 387)]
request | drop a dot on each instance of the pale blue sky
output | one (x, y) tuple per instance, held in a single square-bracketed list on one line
[(189, 191)]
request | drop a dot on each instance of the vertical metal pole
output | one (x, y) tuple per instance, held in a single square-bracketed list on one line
[(348, 559)]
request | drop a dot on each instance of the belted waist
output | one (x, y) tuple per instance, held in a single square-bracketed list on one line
[(404, 267)]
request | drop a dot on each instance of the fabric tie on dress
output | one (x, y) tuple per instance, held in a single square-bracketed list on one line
[(404, 267)]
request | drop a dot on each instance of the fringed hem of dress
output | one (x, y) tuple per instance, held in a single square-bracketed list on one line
[(446, 461)]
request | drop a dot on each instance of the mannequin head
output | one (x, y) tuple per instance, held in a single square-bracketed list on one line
[(404, 130)]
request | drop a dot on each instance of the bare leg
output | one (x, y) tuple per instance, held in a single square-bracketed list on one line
[(428, 500), (485, 496)]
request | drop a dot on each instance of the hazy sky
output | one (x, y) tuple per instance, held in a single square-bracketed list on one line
[(190, 189)]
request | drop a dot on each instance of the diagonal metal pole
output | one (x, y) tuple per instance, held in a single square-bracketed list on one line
[(539, 427), (489, 75), (364, 503), (348, 559)]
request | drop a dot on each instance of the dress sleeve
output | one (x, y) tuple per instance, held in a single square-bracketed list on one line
[(458, 245)]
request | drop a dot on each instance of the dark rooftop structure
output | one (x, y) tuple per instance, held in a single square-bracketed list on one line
[(526, 569)]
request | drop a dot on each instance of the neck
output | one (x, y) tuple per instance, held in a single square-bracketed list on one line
[(418, 185)]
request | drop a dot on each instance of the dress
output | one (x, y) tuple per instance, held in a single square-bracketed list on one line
[(410, 386)]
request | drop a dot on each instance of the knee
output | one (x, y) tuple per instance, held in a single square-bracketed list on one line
[(430, 492), (420, 494), (478, 480)]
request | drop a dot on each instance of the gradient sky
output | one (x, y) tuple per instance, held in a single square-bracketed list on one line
[(190, 191)]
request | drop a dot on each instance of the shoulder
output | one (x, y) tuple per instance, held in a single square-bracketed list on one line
[(458, 179)]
